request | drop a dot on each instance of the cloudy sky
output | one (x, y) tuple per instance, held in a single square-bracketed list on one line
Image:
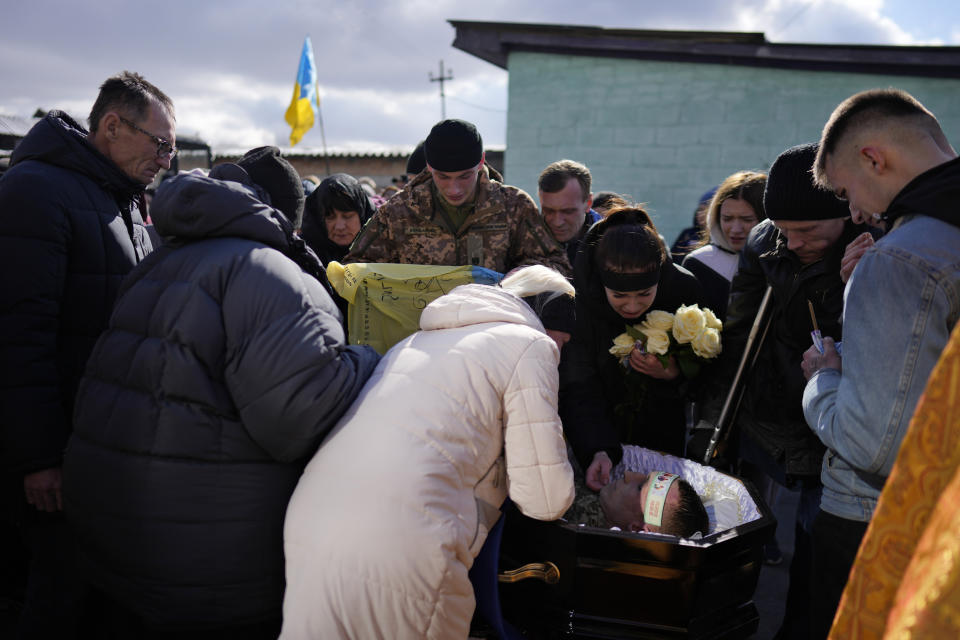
[(230, 66)]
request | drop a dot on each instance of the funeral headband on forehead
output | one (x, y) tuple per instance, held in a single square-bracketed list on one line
[(657, 497), (630, 281)]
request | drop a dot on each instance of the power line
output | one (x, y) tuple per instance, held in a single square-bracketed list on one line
[(477, 106), (799, 13)]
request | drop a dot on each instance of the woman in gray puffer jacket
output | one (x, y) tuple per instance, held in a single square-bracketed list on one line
[(224, 365)]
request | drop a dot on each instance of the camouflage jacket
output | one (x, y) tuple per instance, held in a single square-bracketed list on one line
[(586, 507), (504, 231)]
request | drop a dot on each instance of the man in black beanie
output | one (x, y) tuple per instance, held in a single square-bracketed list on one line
[(797, 251), (454, 214)]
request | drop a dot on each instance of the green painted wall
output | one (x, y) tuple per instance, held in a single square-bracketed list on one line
[(665, 132)]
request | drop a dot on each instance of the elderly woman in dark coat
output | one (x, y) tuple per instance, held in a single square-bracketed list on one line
[(333, 216)]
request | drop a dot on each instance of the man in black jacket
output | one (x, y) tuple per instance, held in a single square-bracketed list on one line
[(70, 229), (797, 252)]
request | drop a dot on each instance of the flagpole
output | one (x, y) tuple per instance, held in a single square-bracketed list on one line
[(323, 135)]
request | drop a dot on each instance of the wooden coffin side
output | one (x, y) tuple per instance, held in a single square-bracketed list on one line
[(636, 585)]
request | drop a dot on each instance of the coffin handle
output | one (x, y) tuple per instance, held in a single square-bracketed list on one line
[(546, 571)]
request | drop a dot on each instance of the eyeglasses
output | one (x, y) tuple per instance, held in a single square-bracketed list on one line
[(164, 148)]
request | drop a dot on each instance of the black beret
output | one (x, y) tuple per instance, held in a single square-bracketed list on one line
[(453, 145)]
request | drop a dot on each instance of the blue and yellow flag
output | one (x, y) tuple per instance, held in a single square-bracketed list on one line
[(305, 104)]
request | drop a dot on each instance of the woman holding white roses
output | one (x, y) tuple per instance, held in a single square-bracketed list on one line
[(623, 276)]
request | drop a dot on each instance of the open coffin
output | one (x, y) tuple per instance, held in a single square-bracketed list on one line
[(614, 584)]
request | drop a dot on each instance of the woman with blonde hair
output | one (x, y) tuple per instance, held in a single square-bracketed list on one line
[(735, 209)]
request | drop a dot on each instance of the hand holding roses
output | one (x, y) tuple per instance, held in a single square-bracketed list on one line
[(649, 364)]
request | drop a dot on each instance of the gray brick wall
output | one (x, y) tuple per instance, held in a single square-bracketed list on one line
[(664, 132)]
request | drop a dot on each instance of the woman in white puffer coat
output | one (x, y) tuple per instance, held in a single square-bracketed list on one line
[(395, 505)]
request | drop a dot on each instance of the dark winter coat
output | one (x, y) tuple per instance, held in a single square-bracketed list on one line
[(770, 412), (70, 230), (223, 367), (592, 380)]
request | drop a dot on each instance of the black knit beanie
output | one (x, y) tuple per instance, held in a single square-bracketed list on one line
[(453, 145), (791, 194), (276, 175), (417, 161)]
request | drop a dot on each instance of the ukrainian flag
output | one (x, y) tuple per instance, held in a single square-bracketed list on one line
[(305, 105)]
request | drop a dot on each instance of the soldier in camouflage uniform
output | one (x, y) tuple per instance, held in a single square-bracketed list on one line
[(621, 503), (455, 214), (586, 508)]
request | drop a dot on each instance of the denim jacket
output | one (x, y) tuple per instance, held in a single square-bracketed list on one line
[(899, 309)]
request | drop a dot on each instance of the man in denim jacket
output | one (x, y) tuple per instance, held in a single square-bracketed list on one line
[(885, 154)]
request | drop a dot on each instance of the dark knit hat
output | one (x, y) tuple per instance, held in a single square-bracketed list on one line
[(417, 161), (791, 194), (276, 175), (559, 313), (453, 145)]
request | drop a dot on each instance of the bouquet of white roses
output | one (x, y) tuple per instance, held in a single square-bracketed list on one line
[(691, 336)]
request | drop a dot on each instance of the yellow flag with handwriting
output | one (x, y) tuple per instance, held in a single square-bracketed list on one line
[(386, 299), (305, 104)]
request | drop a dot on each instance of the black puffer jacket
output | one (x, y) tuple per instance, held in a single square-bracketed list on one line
[(770, 412), (70, 230), (223, 367), (592, 380)]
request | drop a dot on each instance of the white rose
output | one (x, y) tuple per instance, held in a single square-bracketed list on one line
[(622, 345), (658, 320), (713, 321), (707, 343), (688, 323), (657, 340)]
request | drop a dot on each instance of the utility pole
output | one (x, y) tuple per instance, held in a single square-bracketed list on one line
[(443, 98)]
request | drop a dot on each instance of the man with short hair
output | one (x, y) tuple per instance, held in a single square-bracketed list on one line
[(70, 230), (565, 199), (886, 155), (454, 214), (797, 251), (656, 502)]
